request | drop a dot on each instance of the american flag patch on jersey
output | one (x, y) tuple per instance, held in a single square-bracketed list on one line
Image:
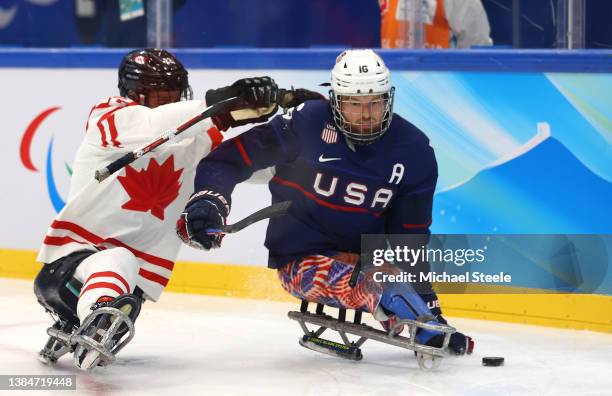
[(329, 134)]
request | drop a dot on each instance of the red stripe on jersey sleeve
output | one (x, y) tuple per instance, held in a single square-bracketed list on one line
[(215, 136), (110, 117), (102, 133), (113, 130), (243, 152), (105, 117), (98, 106)]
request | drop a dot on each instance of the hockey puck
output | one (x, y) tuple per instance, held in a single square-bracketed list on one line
[(493, 361)]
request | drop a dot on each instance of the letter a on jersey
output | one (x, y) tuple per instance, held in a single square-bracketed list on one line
[(397, 174)]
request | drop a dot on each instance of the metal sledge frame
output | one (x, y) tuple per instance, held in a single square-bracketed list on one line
[(56, 347), (428, 357), (62, 340)]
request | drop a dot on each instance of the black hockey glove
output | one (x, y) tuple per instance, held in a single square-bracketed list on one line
[(256, 101), (459, 343), (201, 223)]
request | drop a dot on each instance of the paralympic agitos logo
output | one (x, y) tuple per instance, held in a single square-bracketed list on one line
[(26, 159)]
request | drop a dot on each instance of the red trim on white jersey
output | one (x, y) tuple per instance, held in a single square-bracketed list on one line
[(60, 241), (126, 101), (113, 130), (118, 103), (153, 277), (101, 105), (99, 242), (103, 118), (215, 136)]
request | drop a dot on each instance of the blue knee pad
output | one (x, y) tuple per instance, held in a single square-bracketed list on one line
[(405, 303)]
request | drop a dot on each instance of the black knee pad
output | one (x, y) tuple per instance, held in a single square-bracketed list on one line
[(55, 288)]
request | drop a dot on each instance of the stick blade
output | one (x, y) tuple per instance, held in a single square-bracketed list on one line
[(275, 210)]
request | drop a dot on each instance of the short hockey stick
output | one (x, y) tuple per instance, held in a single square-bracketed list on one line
[(274, 210), (102, 174)]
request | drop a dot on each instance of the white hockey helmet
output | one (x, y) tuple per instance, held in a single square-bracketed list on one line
[(361, 73)]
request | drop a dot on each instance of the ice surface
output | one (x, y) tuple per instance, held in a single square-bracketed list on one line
[(188, 345)]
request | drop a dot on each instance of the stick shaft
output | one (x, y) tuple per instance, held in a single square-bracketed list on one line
[(274, 210), (128, 158)]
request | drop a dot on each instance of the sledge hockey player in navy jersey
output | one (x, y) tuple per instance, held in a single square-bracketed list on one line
[(349, 167), (114, 244)]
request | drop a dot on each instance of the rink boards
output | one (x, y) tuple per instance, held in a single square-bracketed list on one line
[(572, 311), (482, 120)]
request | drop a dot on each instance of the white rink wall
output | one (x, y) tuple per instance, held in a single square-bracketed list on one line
[(26, 208)]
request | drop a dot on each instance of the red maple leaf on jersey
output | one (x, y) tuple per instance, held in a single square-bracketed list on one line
[(151, 189)]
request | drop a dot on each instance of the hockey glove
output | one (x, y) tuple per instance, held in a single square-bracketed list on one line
[(201, 223), (256, 101), (459, 343)]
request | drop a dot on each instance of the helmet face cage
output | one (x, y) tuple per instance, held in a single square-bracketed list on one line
[(361, 96), (152, 69), (358, 128)]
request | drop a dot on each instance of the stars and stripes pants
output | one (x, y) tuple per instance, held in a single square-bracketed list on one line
[(325, 280)]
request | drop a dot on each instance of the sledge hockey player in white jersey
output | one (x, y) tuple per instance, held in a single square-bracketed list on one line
[(113, 245)]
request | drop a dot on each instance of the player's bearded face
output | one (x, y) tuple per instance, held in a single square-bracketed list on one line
[(363, 114), (159, 98)]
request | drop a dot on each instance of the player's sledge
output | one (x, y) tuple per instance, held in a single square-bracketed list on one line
[(66, 338), (428, 357)]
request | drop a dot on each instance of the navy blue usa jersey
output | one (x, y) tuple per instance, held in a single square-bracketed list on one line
[(338, 191)]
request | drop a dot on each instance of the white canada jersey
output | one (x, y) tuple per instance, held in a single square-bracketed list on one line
[(138, 206)]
